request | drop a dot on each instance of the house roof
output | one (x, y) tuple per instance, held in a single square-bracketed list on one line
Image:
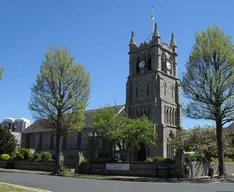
[(39, 125)]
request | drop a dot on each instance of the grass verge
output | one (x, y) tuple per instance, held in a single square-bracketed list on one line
[(114, 178), (67, 174), (7, 188)]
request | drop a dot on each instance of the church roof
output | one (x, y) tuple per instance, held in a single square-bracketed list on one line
[(39, 125)]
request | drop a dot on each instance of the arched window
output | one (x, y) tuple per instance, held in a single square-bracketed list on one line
[(137, 91), (163, 62), (137, 113), (165, 115), (170, 115), (170, 146), (149, 113), (133, 113), (172, 91), (141, 112), (147, 89), (165, 88), (137, 65), (145, 112), (149, 62), (175, 117)]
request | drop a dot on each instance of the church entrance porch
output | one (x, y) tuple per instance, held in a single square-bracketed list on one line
[(139, 154), (142, 153)]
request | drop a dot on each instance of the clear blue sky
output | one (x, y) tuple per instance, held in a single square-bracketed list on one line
[(97, 34)]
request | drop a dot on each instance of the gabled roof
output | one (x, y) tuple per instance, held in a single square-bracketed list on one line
[(39, 125)]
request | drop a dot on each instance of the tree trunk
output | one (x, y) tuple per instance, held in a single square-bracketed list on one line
[(58, 151), (219, 135)]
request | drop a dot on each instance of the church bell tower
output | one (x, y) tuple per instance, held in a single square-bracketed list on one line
[(153, 89)]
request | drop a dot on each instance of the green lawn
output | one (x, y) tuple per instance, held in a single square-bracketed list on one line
[(7, 188)]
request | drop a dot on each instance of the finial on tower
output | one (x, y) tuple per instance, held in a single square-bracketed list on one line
[(156, 32), (132, 41), (173, 43)]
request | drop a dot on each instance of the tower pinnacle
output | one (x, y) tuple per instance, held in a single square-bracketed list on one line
[(156, 32), (132, 41), (173, 43)]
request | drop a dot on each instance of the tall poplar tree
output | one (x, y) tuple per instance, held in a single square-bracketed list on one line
[(208, 82), (60, 95)]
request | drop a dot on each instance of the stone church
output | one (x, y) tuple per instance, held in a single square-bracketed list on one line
[(152, 89)]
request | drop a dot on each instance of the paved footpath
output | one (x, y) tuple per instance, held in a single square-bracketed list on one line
[(66, 184)]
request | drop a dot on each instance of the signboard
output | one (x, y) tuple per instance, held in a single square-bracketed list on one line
[(117, 166)]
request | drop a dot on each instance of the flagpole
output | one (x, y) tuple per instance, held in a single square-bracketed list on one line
[(152, 17)]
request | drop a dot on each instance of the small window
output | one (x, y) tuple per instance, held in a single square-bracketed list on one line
[(149, 113), (51, 141), (149, 63), (172, 91), (163, 62), (137, 91), (147, 89), (165, 115), (165, 89), (137, 65)]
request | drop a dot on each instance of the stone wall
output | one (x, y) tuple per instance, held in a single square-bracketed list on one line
[(29, 165), (143, 169), (160, 170), (202, 169)]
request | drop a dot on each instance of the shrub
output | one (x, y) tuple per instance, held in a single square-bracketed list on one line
[(149, 159), (226, 159), (191, 157), (5, 157), (17, 156), (36, 157), (46, 156), (158, 158), (26, 153), (8, 141)]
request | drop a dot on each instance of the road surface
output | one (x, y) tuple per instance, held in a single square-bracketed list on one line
[(66, 184)]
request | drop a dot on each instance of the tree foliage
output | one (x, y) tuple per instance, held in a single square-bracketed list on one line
[(60, 95), (208, 82), (126, 133), (202, 140), (7, 142)]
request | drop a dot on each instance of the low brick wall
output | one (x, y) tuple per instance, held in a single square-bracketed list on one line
[(143, 169), (29, 165)]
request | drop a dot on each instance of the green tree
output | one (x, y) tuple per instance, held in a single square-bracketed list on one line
[(202, 140), (7, 141), (126, 133), (208, 82), (60, 95)]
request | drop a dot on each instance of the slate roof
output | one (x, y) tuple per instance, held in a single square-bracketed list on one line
[(38, 125)]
